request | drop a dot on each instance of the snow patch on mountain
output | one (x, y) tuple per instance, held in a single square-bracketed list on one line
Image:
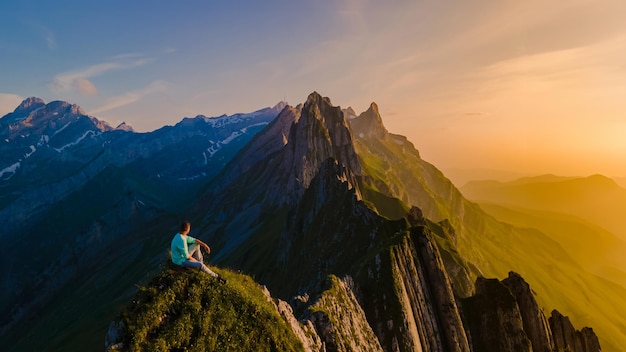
[(191, 178), (32, 150), (43, 140), (245, 129), (10, 169), (230, 138), (76, 141), (213, 149), (61, 129)]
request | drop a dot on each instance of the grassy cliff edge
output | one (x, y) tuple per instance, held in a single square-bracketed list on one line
[(189, 310)]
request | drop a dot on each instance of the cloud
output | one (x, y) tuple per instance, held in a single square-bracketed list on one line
[(48, 37), (85, 87), (8, 103), (44, 32), (77, 79), (130, 97)]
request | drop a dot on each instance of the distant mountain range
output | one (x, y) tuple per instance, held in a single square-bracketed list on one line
[(72, 187), (363, 244), (620, 181), (596, 198), (581, 213)]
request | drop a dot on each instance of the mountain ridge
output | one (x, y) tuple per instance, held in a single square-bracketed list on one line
[(311, 235), (100, 185), (307, 206)]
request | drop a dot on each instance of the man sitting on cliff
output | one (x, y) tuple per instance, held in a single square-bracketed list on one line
[(186, 251)]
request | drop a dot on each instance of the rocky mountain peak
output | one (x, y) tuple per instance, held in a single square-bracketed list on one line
[(317, 99), (567, 338), (320, 133), (369, 123), (29, 104), (280, 105), (51, 118), (534, 321), (350, 113), (504, 316), (64, 107), (27, 107)]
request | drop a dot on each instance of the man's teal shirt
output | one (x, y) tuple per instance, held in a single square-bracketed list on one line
[(180, 250)]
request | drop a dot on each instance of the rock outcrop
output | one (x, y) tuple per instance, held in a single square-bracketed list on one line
[(504, 316), (567, 338), (430, 314), (369, 124), (304, 329), (340, 320), (535, 323), (320, 133), (494, 318)]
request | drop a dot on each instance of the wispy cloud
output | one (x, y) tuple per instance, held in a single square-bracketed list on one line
[(85, 87), (77, 80), (44, 32), (49, 37), (130, 97)]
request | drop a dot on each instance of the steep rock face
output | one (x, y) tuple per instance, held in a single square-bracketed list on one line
[(320, 133), (494, 318), (304, 330), (567, 338), (276, 173), (535, 323), (504, 316), (340, 320), (590, 340), (431, 318), (273, 138), (328, 216), (484, 241)]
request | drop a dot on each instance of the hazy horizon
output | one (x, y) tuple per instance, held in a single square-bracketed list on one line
[(530, 88)]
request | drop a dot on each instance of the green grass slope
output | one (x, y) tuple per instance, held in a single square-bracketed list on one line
[(187, 310)]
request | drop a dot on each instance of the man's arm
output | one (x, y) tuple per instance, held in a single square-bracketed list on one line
[(206, 247)]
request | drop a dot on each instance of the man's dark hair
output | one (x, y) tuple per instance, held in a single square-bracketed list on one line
[(185, 226)]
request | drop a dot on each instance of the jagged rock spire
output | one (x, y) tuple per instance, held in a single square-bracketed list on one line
[(369, 123), (320, 133)]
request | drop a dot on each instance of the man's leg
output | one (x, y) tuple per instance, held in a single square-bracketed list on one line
[(207, 270), (196, 252), (198, 265)]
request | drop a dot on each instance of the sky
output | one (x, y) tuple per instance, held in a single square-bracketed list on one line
[(518, 87)]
